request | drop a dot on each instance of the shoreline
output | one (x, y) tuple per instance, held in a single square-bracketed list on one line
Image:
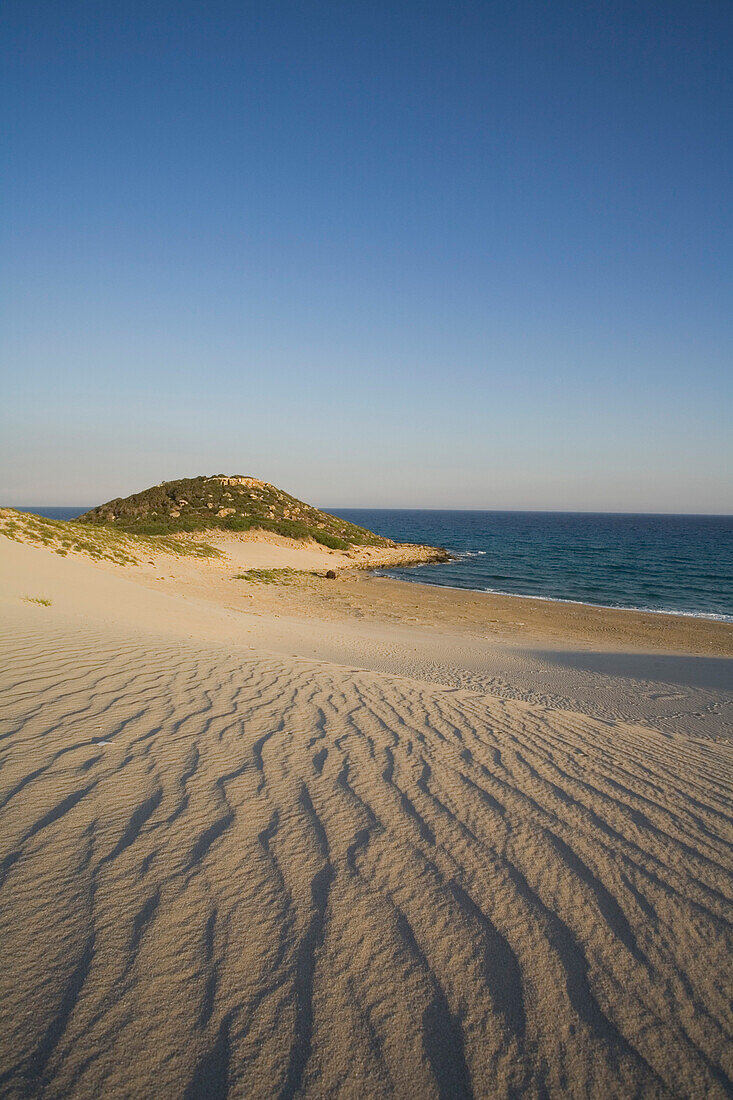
[(708, 616), (289, 553), (270, 575), (574, 623)]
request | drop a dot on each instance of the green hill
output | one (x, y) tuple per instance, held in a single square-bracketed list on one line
[(229, 504)]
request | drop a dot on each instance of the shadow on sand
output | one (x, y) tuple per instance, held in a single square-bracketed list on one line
[(714, 673)]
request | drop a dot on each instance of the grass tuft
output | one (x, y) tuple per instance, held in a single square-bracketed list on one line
[(274, 576)]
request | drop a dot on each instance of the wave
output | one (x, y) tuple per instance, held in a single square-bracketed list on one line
[(714, 616), (402, 575)]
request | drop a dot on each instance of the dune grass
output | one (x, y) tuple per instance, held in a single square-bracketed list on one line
[(274, 576), (96, 541)]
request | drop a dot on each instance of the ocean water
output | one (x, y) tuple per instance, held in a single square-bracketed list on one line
[(655, 563), (53, 513), (651, 562)]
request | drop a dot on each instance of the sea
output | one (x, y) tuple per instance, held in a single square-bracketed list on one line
[(681, 564)]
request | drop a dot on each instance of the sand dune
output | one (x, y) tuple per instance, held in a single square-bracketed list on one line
[(227, 873)]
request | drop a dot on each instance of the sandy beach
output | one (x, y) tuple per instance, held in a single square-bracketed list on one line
[(280, 835), (366, 552)]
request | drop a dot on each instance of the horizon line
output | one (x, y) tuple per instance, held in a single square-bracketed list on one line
[(396, 508)]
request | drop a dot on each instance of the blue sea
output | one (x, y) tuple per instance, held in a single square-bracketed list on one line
[(654, 563), (651, 562), (53, 513)]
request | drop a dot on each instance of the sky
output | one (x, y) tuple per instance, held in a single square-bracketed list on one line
[(468, 255)]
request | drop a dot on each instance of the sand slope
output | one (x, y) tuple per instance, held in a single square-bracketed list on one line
[(234, 874)]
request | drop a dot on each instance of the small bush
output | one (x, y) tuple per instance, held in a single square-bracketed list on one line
[(331, 541)]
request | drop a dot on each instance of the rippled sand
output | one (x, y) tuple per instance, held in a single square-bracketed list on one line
[(228, 873)]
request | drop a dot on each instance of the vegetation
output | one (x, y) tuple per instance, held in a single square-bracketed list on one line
[(229, 504), (274, 576), (101, 543), (38, 599)]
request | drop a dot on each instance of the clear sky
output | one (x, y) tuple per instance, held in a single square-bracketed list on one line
[(382, 254)]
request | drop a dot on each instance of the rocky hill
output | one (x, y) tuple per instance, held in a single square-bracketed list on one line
[(228, 503)]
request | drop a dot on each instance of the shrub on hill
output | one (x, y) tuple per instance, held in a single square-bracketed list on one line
[(231, 504)]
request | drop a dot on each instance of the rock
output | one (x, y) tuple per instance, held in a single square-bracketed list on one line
[(331, 575)]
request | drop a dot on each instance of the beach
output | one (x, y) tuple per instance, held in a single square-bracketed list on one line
[(366, 552), (266, 833)]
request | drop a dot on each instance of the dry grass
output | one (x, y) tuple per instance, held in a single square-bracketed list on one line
[(97, 542), (274, 576)]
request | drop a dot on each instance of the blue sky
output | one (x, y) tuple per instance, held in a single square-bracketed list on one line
[(412, 255)]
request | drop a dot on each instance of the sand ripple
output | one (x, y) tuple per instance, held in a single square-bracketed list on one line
[(228, 875)]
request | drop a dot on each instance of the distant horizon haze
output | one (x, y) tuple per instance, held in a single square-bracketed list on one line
[(80, 508)]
